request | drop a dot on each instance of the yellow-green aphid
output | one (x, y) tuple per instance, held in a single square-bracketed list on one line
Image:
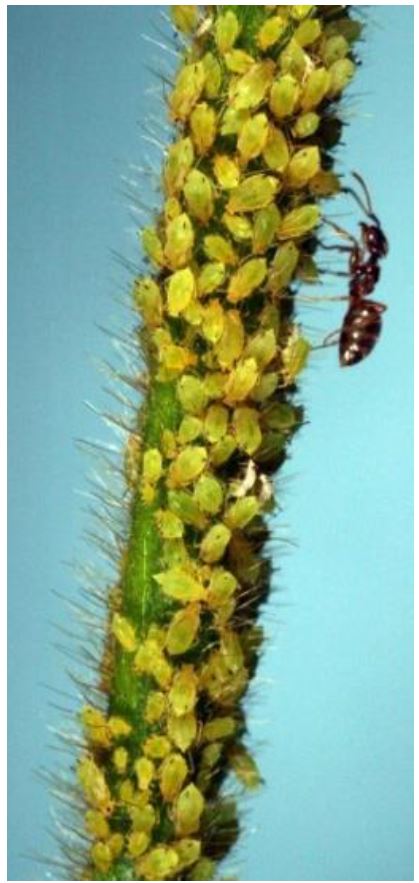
[(294, 356), (155, 707), (325, 184), (182, 730), (180, 239), (185, 18), (221, 588), (231, 649), (188, 810), (159, 864), (203, 870), (249, 90), (118, 727), (124, 633), (148, 298), (266, 223), (183, 693), (247, 279), (198, 195), (244, 766), (143, 816), (341, 73), (187, 466), (222, 450), (95, 725), (189, 85), (156, 747), (152, 246), (219, 728), (101, 855), (219, 249), (242, 512), (215, 424), (172, 775), (188, 850), (192, 395), (172, 209), (293, 60), (283, 266), (299, 222), (306, 124), (227, 30), (308, 32), (152, 466), (300, 12), (237, 61), (263, 347), (96, 824), (182, 630), (181, 289), (210, 278), (239, 226), (276, 152), (138, 843), (226, 171), (120, 760), (253, 193), (179, 161), (303, 166), (213, 75), (315, 88), (189, 430), (247, 429), (209, 494), (241, 381), (253, 137), (335, 48), (284, 96), (145, 772), (233, 120), (213, 321), (94, 785), (169, 526), (179, 584), (203, 123), (270, 32), (214, 543)]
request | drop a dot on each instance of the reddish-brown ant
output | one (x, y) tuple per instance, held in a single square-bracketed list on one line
[(361, 325)]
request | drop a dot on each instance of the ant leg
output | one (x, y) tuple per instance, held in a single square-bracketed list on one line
[(367, 206), (342, 232), (334, 247), (331, 339)]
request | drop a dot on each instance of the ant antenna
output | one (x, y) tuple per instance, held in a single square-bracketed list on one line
[(367, 206)]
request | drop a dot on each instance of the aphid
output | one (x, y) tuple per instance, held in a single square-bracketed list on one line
[(315, 88), (182, 730), (239, 226), (308, 32), (306, 124), (230, 346), (183, 629), (226, 171), (124, 633), (148, 299), (294, 356), (192, 394), (138, 842), (169, 525), (179, 584), (215, 424), (233, 120), (244, 766), (299, 221), (172, 775), (242, 512), (96, 726), (203, 124), (143, 816), (156, 747), (181, 289), (227, 30), (152, 246), (96, 824), (203, 870), (237, 61), (335, 48), (199, 196), (185, 18), (118, 727), (189, 430), (209, 494), (152, 465), (213, 75), (262, 347), (241, 381), (270, 32), (247, 429), (179, 161), (246, 280), (253, 137), (284, 96), (210, 278), (158, 864), (180, 239), (249, 91), (155, 707), (218, 728), (145, 772), (101, 855), (188, 809), (183, 693), (254, 193), (214, 543), (303, 166), (219, 249), (188, 850), (120, 760), (95, 787), (276, 152), (266, 223), (341, 73), (187, 466), (213, 321), (189, 85), (293, 60)]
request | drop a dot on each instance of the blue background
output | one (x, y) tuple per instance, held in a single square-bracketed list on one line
[(330, 713)]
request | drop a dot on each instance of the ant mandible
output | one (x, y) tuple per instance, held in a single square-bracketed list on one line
[(361, 324)]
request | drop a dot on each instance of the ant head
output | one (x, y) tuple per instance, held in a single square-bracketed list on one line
[(374, 239)]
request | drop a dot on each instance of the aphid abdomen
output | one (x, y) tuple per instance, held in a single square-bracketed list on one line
[(360, 331)]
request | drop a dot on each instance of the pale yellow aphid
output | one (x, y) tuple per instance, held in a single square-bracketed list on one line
[(179, 584), (241, 381), (182, 630), (239, 226), (233, 120), (284, 96), (220, 683), (142, 813), (187, 466), (172, 775), (215, 424), (293, 60), (283, 266), (116, 844), (214, 543), (189, 85), (180, 240), (242, 512), (152, 465), (172, 209), (306, 124), (101, 855), (210, 278), (249, 90), (303, 166), (222, 587), (213, 75), (334, 49), (96, 824), (315, 88), (253, 137), (219, 249), (247, 430), (299, 222), (138, 843), (145, 772), (118, 727), (188, 809), (213, 321), (185, 18), (244, 766), (294, 356), (124, 633), (214, 383), (174, 360), (150, 660), (226, 171), (189, 430), (219, 728), (209, 494), (222, 450), (156, 747), (184, 505), (270, 32), (152, 246), (181, 289), (179, 161), (238, 62), (266, 223), (341, 73), (227, 30), (94, 785), (169, 525), (148, 299), (203, 123), (183, 693), (160, 863), (188, 850), (182, 730), (300, 12), (253, 193), (155, 707), (308, 32), (199, 196), (276, 151), (120, 760), (192, 394), (262, 347), (95, 725), (246, 280), (168, 444)]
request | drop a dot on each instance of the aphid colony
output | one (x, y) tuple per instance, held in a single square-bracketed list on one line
[(254, 104)]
